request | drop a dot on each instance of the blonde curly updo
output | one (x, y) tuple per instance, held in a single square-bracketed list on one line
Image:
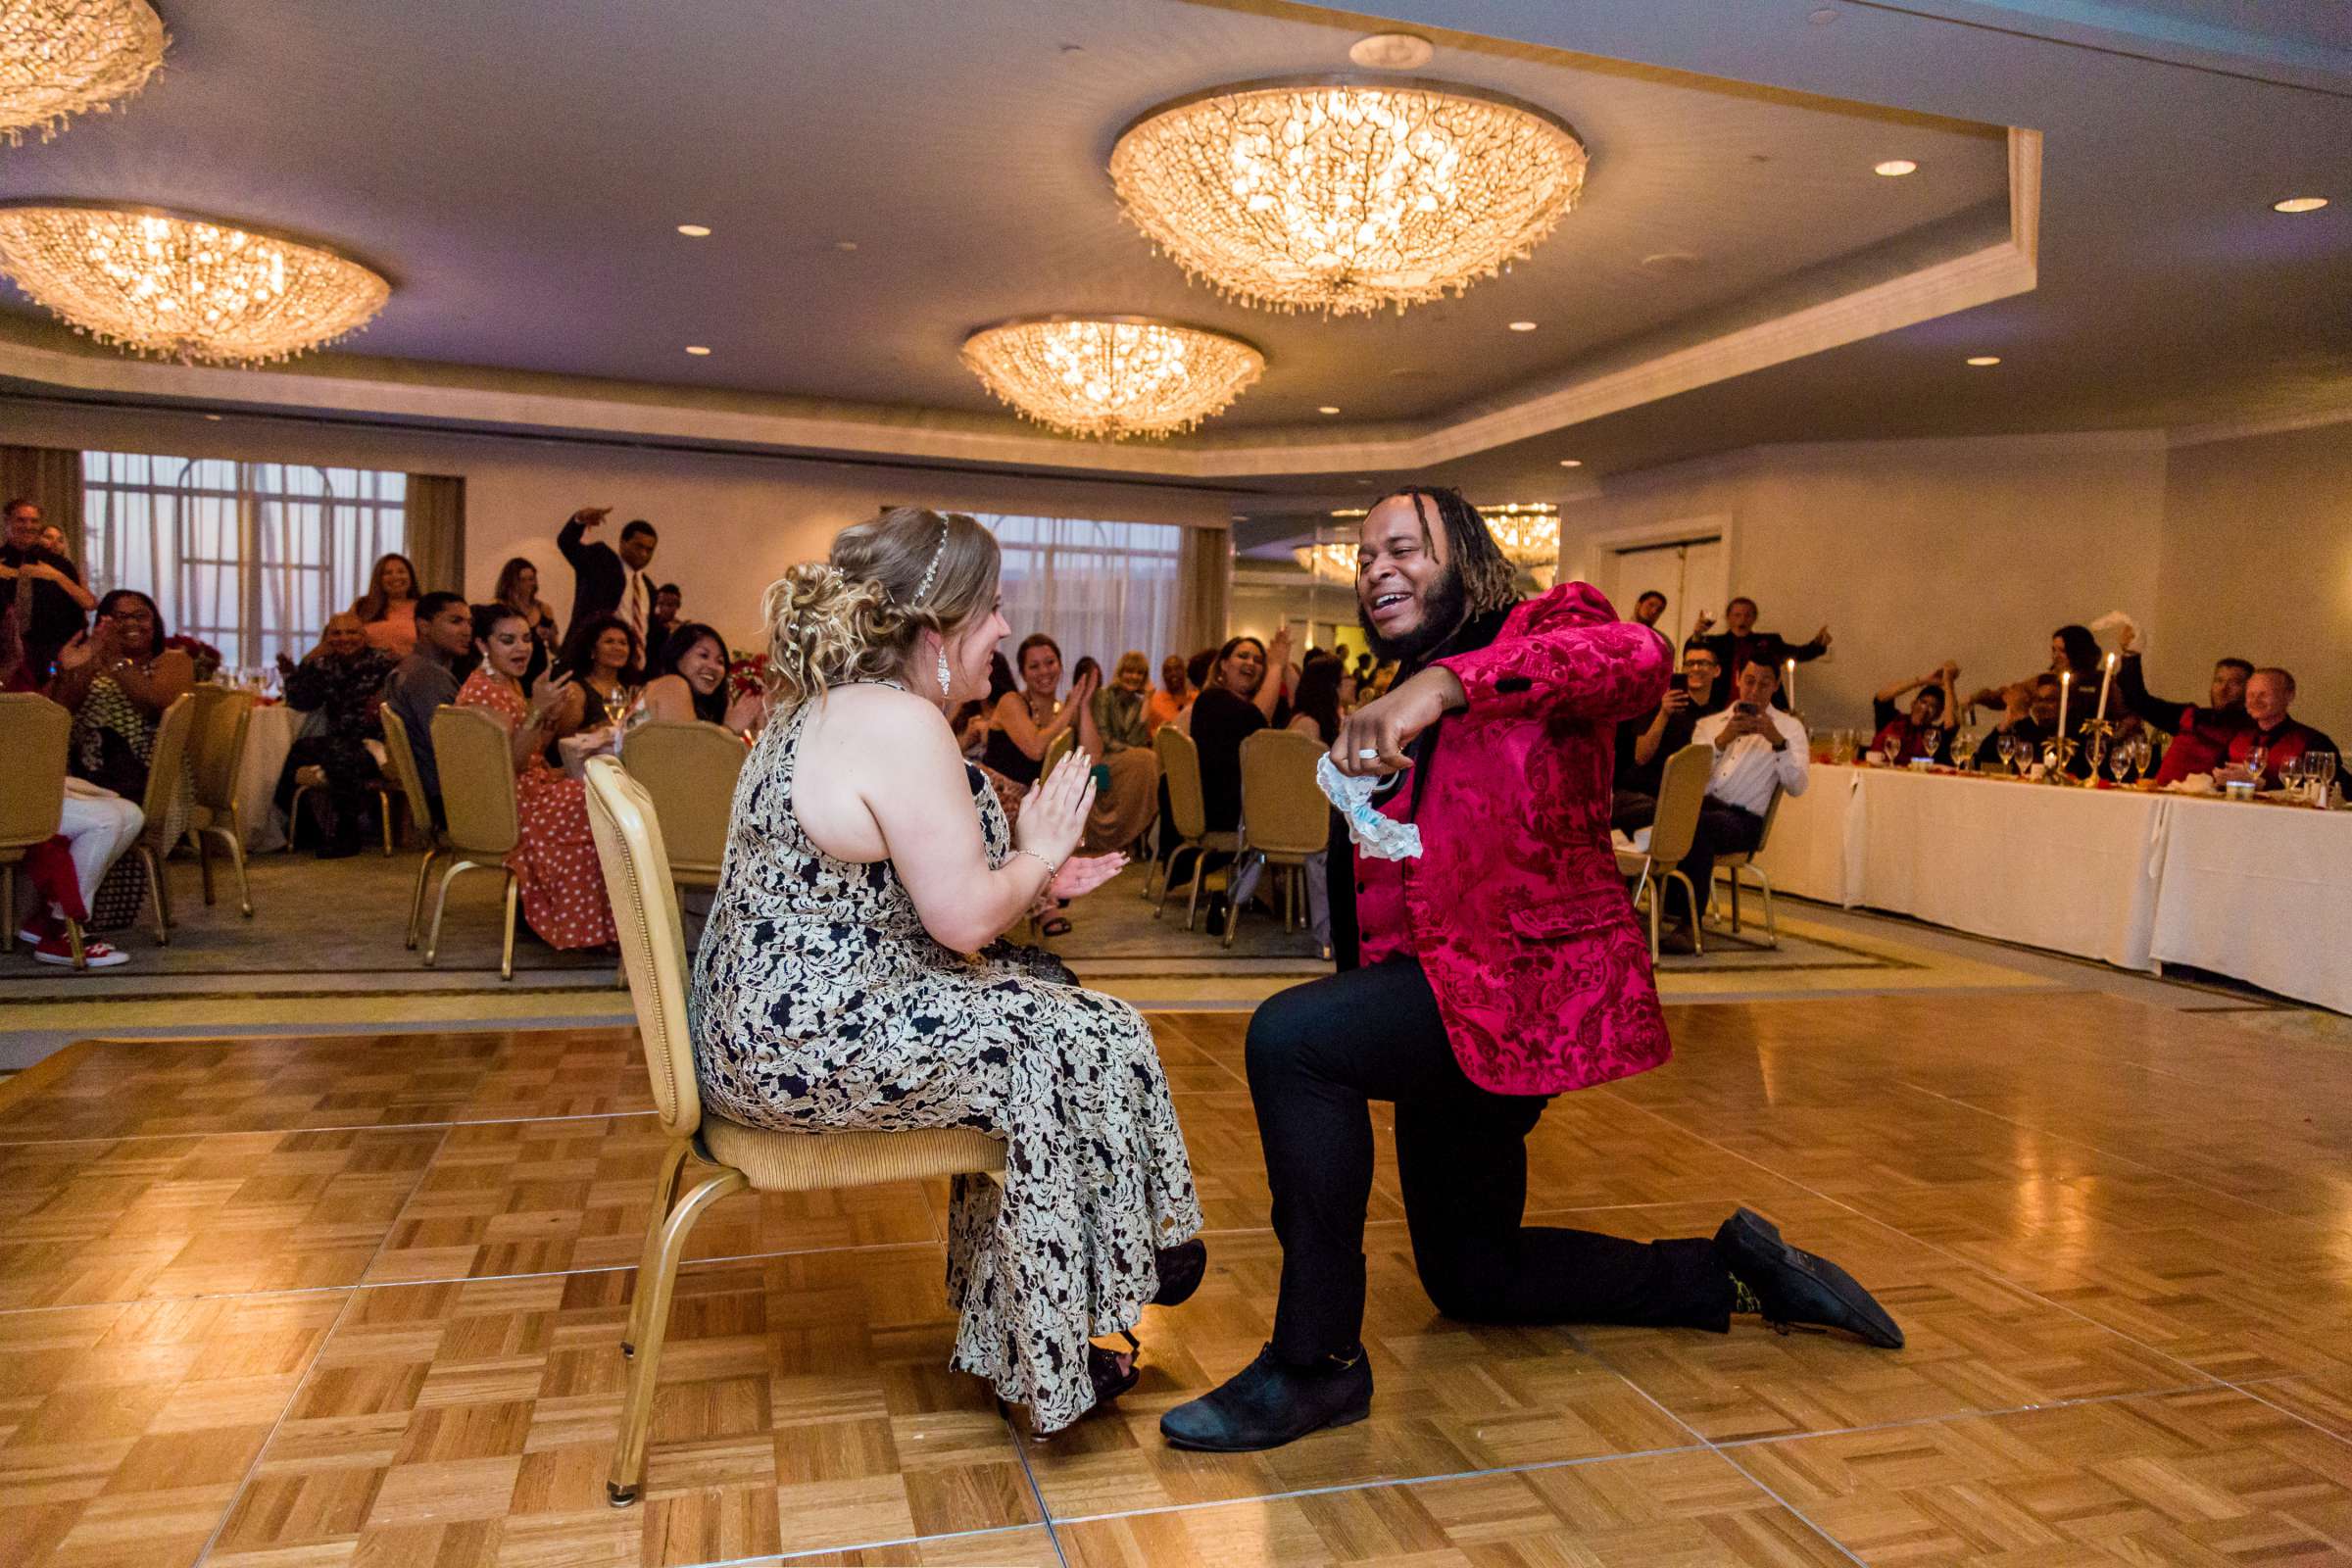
[(859, 614)]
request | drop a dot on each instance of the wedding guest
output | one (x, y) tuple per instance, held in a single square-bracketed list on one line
[(691, 681), (606, 582), (1927, 730), (1759, 751), (1739, 644), (118, 678), (2201, 736), (519, 588), (98, 826), (1236, 703), (387, 610), (854, 973), (1027, 721), (603, 666), (563, 885), (1650, 606), (1172, 697), (2073, 648), (1128, 783), (427, 679), (2270, 738), (2029, 719), (1196, 676), (340, 683), (52, 540), (1317, 711), (669, 602), (42, 600), (1645, 744)]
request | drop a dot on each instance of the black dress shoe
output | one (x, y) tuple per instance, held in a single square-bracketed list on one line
[(1180, 1268), (1267, 1404), (1795, 1288)]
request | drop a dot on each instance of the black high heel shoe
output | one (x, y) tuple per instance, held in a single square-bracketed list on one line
[(1180, 1268)]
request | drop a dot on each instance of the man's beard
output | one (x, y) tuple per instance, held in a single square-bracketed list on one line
[(1443, 611)]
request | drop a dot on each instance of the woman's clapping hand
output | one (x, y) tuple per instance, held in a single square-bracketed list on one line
[(1053, 816), (1082, 874)]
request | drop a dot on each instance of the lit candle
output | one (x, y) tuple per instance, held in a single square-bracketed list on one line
[(2105, 681), (2066, 686), (1789, 680)]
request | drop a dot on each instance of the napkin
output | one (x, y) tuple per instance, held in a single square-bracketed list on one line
[(1374, 834)]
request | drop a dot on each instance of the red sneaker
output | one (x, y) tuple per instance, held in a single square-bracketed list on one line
[(38, 927), (94, 954)]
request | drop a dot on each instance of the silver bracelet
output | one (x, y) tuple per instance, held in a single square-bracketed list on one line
[(1052, 870)]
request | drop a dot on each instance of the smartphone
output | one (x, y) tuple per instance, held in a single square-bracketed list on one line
[(1748, 709)]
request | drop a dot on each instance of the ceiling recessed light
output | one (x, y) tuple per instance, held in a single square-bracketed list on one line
[(214, 417), (2299, 204), (695, 230), (845, 244), (1896, 168), (1392, 51), (1822, 16), (1572, 462), (697, 349), (1327, 409), (1523, 326), (1982, 359)]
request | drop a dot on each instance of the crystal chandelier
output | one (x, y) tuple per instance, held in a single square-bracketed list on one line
[(1343, 198), (1111, 377), (1528, 532), (185, 288), (61, 56)]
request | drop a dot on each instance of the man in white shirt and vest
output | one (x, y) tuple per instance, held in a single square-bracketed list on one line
[(1758, 749)]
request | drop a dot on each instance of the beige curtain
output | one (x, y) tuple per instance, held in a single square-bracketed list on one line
[(50, 477), (1204, 576), (436, 531)]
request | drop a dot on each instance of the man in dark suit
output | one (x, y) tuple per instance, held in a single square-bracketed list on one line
[(1740, 645), (42, 600), (606, 582)]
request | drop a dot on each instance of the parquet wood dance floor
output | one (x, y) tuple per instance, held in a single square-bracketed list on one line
[(287, 1303)]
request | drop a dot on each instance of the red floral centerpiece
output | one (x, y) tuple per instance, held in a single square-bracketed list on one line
[(747, 674)]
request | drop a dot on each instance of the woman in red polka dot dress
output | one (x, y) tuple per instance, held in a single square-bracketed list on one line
[(563, 887)]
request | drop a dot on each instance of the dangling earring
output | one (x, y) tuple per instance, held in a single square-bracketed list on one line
[(946, 686)]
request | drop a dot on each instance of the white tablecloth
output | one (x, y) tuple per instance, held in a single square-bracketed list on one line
[(267, 740), (2259, 893)]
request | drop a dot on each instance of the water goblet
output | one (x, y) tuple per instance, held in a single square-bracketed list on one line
[(2007, 746), (2119, 763)]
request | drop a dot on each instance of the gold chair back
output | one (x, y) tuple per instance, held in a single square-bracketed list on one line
[(653, 938), (167, 765), (476, 760), (1180, 765), (33, 734), (1681, 792), (222, 718), (1282, 809), (1056, 748), (405, 773), (688, 770)]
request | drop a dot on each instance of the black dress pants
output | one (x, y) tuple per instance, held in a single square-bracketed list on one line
[(1722, 830), (1318, 1054)]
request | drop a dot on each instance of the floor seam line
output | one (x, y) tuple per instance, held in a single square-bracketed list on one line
[(262, 1453)]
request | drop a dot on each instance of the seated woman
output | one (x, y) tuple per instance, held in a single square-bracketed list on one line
[(852, 975), (118, 678), (519, 586), (98, 827), (1025, 722), (604, 668), (1316, 710), (563, 886), (387, 610), (690, 682), (1237, 703), (1117, 731)]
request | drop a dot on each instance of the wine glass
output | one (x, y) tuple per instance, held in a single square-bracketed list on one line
[(2322, 776), (2118, 761), (2258, 763), (2007, 746)]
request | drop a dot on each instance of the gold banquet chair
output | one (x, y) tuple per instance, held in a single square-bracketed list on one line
[(1731, 866), (1681, 790), (688, 770), (167, 776), (726, 1157), (403, 756), (222, 718), (33, 732), (476, 762), (1187, 817), (1056, 750), (1285, 818)]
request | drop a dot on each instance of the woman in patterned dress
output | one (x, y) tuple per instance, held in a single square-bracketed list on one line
[(853, 974), (563, 887)]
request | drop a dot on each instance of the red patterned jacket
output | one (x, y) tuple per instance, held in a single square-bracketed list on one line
[(1517, 913)]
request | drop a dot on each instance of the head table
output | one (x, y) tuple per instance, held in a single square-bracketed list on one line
[(2139, 879)]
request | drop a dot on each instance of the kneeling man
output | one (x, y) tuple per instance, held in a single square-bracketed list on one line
[(1501, 968)]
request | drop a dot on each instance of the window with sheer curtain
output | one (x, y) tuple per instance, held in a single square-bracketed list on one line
[(249, 557), (1097, 588)]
